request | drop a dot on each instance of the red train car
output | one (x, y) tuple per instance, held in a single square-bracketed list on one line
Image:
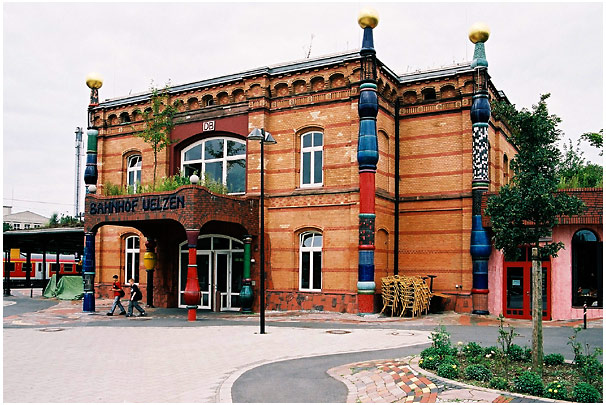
[(69, 265)]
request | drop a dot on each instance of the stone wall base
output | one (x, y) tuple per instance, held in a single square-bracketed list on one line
[(279, 300)]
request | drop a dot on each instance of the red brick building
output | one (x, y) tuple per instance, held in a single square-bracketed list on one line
[(423, 185)]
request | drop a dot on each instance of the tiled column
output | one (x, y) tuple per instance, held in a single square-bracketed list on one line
[(480, 115), (368, 156), (192, 293)]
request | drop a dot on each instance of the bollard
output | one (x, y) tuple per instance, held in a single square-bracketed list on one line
[(585, 315)]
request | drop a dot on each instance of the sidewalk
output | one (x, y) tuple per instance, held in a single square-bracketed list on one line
[(71, 312), (201, 361)]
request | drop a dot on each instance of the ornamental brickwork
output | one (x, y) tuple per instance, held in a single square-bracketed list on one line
[(288, 101)]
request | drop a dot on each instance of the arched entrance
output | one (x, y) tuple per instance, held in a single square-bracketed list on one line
[(586, 269), (220, 261)]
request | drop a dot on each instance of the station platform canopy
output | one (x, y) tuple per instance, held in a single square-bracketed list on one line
[(40, 240)]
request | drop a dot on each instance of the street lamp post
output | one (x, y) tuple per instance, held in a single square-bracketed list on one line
[(264, 137)]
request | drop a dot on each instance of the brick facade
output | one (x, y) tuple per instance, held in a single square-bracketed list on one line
[(289, 100)]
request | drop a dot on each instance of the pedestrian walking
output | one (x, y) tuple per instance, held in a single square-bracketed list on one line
[(135, 296), (118, 293)]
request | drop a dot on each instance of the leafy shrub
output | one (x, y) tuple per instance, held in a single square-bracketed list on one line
[(515, 353), (584, 392), (492, 350), (499, 383), (448, 369), (478, 372), (529, 383), (553, 359), (556, 390), (430, 362), (472, 349), (429, 351), (527, 356), (591, 369), (441, 342)]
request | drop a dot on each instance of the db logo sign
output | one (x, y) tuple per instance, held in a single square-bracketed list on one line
[(208, 126)]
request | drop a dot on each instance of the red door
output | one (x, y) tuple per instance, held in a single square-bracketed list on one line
[(517, 287)]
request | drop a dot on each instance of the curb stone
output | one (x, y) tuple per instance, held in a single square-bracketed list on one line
[(414, 365)]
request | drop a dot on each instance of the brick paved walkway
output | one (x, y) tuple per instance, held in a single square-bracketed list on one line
[(401, 380)]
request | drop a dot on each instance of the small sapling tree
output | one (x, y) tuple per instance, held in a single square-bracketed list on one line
[(525, 211)]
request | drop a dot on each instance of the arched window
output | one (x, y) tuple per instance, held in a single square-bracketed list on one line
[(586, 269), (218, 159), (311, 159), (429, 94), (133, 172), (310, 261), (124, 118), (207, 101), (505, 170), (131, 258)]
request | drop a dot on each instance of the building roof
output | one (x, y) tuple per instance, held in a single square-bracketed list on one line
[(272, 70), (66, 240), (594, 211), (25, 216), (290, 67), (592, 215)]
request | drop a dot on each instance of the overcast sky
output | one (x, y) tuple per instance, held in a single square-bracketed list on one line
[(50, 47)]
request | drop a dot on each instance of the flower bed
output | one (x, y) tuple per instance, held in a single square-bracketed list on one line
[(508, 367)]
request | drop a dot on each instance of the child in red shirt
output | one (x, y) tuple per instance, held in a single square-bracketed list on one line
[(118, 293)]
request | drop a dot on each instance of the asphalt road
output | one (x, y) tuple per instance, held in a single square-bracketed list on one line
[(25, 304), (308, 381)]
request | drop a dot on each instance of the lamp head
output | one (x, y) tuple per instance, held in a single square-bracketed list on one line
[(255, 135), (479, 32), (269, 139), (368, 17), (94, 80)]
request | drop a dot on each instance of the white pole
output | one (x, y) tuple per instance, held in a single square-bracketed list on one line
[(78, 165)]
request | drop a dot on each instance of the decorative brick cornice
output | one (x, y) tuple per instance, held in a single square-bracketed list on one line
[(191, 206)]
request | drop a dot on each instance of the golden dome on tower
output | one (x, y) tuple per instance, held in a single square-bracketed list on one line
[(479, 32), (94, 80), (368, 17)]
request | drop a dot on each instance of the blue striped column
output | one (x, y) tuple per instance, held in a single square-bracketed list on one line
[(368, 156), (480, 246)]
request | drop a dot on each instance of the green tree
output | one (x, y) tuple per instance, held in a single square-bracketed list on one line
[(574, 172), (594, 138), (6, 227), (158, 124), (54, 220), (526, 210)]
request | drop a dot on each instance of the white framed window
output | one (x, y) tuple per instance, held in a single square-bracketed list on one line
[(133, 172), (310, 261), (219, 159), (131, 256), (312, 159)]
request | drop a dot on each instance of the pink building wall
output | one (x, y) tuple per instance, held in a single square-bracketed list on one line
[(561, 278), (495, 283)]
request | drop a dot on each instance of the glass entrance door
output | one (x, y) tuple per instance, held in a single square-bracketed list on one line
[(517, 287), (228, 276), (204, 272), (220, 262)]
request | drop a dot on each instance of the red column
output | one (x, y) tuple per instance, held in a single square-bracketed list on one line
[(192, 288)]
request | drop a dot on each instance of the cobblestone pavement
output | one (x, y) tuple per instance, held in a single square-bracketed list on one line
[(402, 381)]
